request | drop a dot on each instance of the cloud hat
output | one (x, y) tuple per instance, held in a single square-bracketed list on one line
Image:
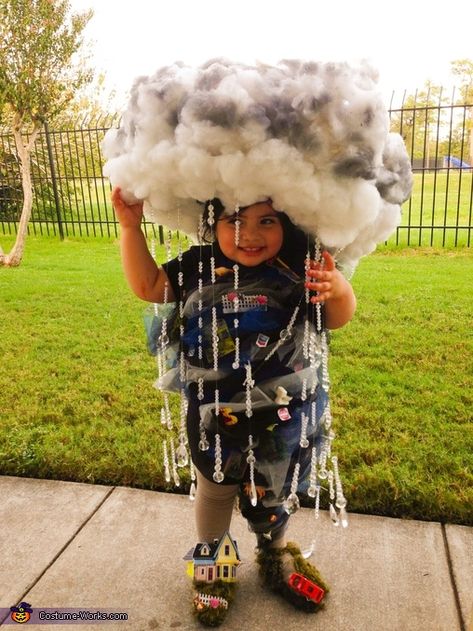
[(313, 137)]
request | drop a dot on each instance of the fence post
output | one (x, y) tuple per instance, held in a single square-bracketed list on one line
[(54, 181)]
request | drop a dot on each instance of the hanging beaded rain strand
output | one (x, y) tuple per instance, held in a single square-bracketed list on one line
[(218, 475), (181, 452), (203, 442), (236, 302)]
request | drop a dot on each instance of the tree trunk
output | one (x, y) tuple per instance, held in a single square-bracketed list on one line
[(13, 258)]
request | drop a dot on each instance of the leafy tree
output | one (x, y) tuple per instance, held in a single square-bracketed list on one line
[(39, 75), (417, 119), (93, 105)]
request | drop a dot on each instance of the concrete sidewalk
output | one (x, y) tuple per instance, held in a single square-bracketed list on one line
[(64, 544)]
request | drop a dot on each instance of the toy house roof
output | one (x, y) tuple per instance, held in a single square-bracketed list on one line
[(204, 551)]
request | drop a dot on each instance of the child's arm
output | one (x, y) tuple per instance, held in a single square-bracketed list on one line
[(145, 278), (334, 290)]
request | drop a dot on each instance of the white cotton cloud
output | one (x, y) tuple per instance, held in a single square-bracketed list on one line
[(312, 136)]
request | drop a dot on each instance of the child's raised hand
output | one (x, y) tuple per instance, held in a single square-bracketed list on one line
[(129, 215), (328, 281)]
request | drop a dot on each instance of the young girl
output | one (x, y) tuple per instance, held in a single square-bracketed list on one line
[(252, 442)]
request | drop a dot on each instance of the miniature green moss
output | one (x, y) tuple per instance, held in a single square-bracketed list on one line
[(277, 564)]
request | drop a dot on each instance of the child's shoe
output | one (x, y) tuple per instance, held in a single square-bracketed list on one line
[(212, 566), (212, 601), (286, 572)]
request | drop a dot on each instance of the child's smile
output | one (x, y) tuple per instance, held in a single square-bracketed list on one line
[(260, 234)]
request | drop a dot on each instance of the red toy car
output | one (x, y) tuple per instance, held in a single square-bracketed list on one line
[(304, 587)]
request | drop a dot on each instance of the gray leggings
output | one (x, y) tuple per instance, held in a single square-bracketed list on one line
[(213, 510)]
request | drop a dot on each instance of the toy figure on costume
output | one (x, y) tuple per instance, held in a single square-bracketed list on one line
[(282, 160)]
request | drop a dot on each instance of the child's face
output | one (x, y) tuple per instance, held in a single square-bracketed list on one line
[(260, 236)]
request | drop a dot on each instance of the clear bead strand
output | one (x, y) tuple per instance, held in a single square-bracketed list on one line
[(217, 402), (304, 442), (212, 269), (317, 249), (218, 474), (210, 214), (328, 416), (325, 375), (249, 385), (236, 277), (163, 339), (236, 305), (181, 453), (251, 461), (200, 307), (318, 306), (203, 442), (312, 490), (167, 473), (236, 322), (215, 338), (153, 254), (306, 335), (322, 473), (237, 225), (284, 334), (313, 413), (200, 230), (167, 245), (167, 411), (200, 388), (331, 491), (192, 489), (304, 389), (340, 501), (306, 339), (291, 504), (236, 361), (307, 277), (175, 474), (318, 317), (317, 502)]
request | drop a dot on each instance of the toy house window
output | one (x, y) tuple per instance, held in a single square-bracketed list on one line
[(227, 551), (233, 572), (211, 574), (225, 571), (205, 550), (218, 571)]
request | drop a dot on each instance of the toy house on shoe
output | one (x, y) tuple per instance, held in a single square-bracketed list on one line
[(217, 561)]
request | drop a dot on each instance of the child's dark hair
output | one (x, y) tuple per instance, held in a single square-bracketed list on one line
[(295, 245)]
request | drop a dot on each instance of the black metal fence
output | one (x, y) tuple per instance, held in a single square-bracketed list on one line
[(72, 198)]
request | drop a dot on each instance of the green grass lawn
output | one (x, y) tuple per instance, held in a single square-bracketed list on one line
[(77, 400)]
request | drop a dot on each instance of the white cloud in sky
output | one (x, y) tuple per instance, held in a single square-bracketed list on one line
[(408, 41)]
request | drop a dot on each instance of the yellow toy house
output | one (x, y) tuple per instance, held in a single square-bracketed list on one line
[(217, 561)]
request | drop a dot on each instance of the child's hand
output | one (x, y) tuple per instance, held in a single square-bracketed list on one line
[(129, 215), (328, 281)]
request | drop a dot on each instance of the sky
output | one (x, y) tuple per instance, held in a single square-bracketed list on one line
[(409, 41)]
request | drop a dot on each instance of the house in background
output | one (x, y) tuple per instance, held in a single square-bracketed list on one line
[(217, 561)]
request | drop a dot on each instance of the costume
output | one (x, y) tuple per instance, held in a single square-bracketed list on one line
[(268, 296)]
